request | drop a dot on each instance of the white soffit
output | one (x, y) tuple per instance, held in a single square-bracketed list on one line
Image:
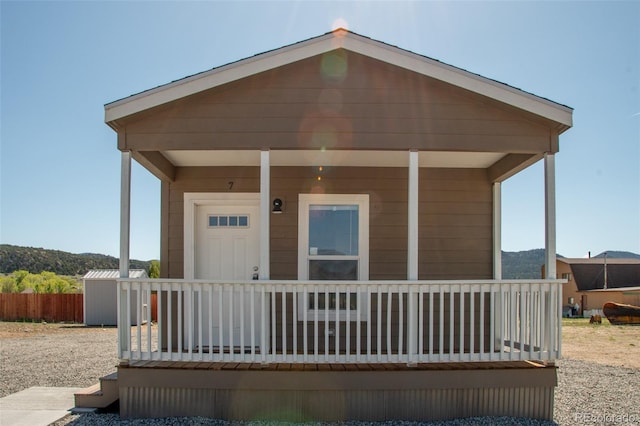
[(350, 41), (333, 158)]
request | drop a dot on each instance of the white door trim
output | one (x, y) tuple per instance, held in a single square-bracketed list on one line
[(194, 199)]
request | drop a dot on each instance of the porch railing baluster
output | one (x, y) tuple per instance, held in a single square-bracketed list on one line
[(464, 321)]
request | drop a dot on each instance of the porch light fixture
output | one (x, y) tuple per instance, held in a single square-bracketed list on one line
[(277, 206)]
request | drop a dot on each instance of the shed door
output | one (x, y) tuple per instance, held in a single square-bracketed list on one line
[(227, 249)]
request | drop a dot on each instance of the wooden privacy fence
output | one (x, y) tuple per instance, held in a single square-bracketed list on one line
[(39, 306)]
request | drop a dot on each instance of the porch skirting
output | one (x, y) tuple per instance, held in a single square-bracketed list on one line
[(322, 392)]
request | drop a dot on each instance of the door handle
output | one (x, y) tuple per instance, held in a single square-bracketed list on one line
[(255, 273)]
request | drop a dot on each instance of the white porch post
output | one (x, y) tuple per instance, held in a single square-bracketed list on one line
[(550, 215), (412, 249), (497, 231), (125, 212), (123, 303), (265, 211), (412, 252)]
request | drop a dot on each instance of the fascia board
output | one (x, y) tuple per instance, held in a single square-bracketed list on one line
[(330, 41)]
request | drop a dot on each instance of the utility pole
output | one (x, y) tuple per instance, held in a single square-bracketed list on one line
[(605, 270)]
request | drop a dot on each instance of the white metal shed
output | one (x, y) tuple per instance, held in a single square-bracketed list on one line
[(100, 296)]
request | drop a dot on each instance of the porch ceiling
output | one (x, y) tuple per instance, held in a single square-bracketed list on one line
[(444, 159)]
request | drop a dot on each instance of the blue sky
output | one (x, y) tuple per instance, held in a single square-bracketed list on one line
[(62, 61)]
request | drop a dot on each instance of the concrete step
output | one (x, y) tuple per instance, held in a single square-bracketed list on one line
[(100, 395)]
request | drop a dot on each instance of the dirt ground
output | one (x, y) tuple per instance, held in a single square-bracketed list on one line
[(600, 343), (31, 329)]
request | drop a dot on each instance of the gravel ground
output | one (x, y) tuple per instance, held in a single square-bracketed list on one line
[(587, 393), (75, 356)]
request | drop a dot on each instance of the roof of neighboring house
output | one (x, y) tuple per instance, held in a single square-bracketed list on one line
[(339, 39), (589, 273), (108, 274)]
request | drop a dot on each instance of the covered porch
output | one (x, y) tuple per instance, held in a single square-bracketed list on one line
[(408, 350), (336, 204)]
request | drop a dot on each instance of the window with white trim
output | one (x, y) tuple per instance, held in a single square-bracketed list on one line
[(333, 245)]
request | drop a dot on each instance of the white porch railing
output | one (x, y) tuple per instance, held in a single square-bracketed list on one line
[(376, 321)]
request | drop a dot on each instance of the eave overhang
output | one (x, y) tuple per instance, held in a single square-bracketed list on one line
[(339, 39)]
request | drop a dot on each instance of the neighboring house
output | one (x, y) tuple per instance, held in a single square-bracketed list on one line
[(100, 296), (330, 240), (590, 283)]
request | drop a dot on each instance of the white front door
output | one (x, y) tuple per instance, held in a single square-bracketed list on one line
[(227, 249), (227, 242)]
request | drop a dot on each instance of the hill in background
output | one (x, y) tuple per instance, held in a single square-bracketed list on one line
[(528, 264), (612, 254), (515, 265), (36, 260), (518, 265)]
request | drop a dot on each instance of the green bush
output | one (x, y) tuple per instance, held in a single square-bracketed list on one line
[(44, 282)]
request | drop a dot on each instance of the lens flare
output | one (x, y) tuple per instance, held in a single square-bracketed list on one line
[(334, 66), (339, 23)]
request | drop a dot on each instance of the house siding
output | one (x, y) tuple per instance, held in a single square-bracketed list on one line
[(455, 216), (339, 100)]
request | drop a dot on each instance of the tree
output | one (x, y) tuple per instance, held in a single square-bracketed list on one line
[(154, 269), (19, 277), (8, 285)]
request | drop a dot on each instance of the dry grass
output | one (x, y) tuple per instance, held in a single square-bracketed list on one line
[(606, 344)]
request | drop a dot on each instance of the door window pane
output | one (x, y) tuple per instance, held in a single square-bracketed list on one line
[(333, 230), (228, 221)]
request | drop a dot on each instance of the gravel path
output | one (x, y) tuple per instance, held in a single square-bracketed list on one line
[(588, 393)]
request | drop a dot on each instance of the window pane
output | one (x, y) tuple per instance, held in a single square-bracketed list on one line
[(223, 220), (333, 230), (233, 220), (213, 220), (333, 269), (243, 221)]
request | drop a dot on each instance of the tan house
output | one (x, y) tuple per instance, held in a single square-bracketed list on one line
[(330, 242), (590, 284)]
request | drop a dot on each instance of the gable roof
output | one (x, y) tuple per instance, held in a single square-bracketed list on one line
[(339, 39)]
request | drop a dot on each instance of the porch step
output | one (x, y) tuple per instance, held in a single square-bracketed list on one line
[(100, 395)]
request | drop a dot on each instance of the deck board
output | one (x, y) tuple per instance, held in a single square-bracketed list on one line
[(334, 366)]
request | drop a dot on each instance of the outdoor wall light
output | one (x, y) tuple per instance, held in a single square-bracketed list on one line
[(277, 206)]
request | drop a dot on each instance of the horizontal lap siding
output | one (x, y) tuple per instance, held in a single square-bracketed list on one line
[(373, 105), (455, 216), (455, 224), (387, 189)]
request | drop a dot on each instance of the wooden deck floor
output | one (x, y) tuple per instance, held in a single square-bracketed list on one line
[(229, 366)]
